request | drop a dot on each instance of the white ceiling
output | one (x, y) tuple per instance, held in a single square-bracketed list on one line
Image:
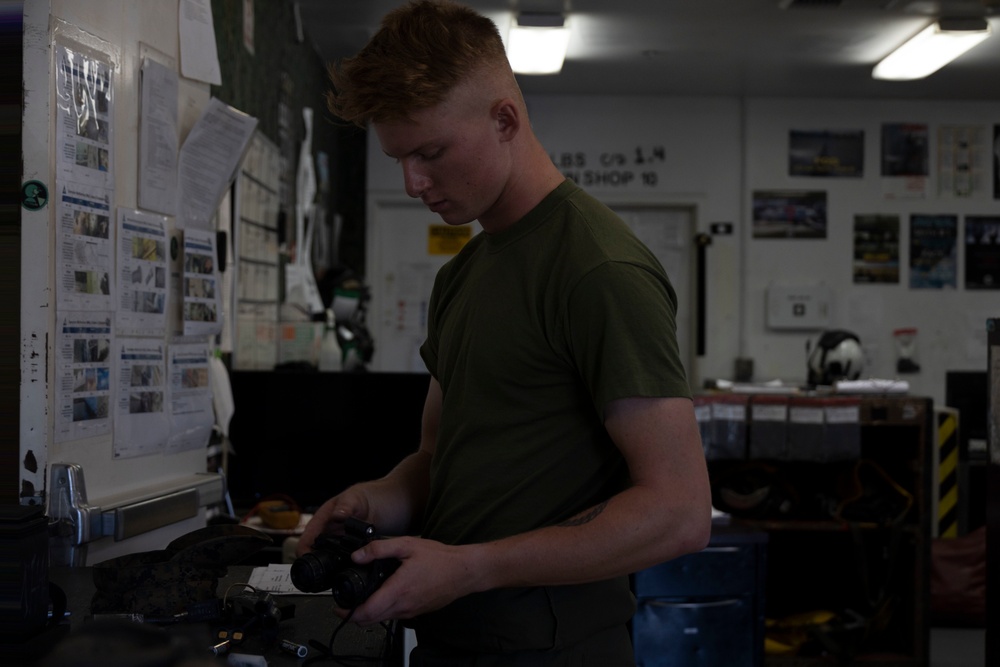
[(801, 48)]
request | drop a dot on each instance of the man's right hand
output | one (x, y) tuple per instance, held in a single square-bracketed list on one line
[(330, 516)]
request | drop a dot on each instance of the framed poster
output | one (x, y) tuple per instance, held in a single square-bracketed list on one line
[(933, 251), (905, 160), (826, 153), (789, 214), (982, 252), (876, 249)]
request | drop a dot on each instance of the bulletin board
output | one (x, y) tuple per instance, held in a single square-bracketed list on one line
[(119, 290)]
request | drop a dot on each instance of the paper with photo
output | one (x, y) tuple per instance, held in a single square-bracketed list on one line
[(141, 420), (84, 112), (143, 247), (84, 242), (202, 311), (191, 412), (83, 364)]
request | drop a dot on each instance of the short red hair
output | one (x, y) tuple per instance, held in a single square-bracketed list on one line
[(420, 53)]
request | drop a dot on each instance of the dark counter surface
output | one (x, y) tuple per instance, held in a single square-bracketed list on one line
[(306, 620)]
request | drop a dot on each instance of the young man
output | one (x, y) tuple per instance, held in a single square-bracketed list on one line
[(559, 448)]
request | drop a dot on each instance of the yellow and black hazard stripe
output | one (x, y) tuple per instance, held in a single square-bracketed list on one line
[(947, 477)]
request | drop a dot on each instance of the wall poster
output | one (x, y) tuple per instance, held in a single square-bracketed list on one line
[(826, 153), (789, 214), (876, 249), (982, 252), (933, 251), (961, 163), (905, 159)]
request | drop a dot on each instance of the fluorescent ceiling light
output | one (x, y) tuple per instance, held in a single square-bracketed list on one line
[(932, 48), (537, 43)]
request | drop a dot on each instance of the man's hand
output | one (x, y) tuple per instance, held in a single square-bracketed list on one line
[(430, 576), (330, 517)]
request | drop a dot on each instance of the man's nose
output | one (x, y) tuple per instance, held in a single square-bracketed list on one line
[(415, 180)]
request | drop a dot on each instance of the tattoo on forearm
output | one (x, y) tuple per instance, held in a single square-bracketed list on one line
[(585, 517)]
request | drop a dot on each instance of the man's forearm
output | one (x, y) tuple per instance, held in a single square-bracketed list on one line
[(631, 531), (398, 499)]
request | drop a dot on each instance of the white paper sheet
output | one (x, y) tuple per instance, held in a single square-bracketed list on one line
[(83, 367), (191, 411), (276, 579), (209, 158), (142, 273), (84, 112), (141, 421), (222, 394), (200, 285), (158, 139), (84, 242), (199, 54)]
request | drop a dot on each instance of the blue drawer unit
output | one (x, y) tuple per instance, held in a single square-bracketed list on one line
[(704, 609), (669, 633)]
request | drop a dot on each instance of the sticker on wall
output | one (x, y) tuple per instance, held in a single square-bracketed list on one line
[(447, 240), (34, 195)]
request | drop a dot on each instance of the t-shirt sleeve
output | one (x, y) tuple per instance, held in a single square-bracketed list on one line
[(622, 333), (429, 348)]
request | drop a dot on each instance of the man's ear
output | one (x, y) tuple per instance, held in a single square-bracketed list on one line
[(507, 118)]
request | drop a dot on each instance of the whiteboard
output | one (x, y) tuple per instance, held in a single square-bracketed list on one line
[(401, 267)]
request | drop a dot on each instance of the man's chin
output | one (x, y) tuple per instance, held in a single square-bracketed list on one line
[(454, 219)]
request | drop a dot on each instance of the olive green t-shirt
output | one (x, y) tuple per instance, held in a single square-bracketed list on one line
[(531, 333)]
